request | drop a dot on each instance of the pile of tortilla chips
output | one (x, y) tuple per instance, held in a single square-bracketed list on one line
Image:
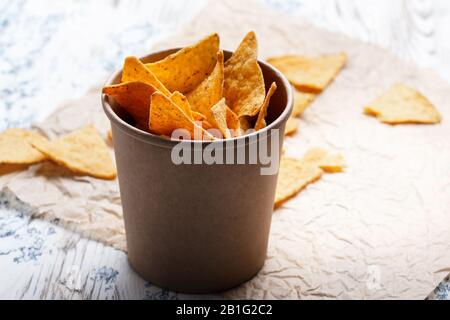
[(83, 152), (195, 90)]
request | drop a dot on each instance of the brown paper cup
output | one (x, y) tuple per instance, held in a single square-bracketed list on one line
[(196, 228)]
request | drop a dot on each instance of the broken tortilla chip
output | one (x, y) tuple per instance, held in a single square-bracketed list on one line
[(134, 97), (16, 147), (309, 74), (166, 116), (83, 152), (330, 163), (402, 104), (294, 175), (244, 88), (185, 69), (209, 92), (134, 70), (261, 121), (292, 125), (302, 101), (219, 114)]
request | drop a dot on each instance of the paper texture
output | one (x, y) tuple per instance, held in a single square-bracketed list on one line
[(380, 230)]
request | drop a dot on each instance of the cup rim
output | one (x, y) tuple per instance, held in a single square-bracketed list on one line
[(162, 141)]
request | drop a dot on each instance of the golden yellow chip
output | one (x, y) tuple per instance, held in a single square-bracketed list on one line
[(186, 69), (233, 123), (209, 92), (16, 148), (244, 88), (135, 70), (402, 104), (309, 74), (327, 162), (83, 152), (166, 116), (294, 175), (302, 101), (292, 125), (261, 121), (219, 114), (110, 138), (134, 97), (198, 116), (181, 101)]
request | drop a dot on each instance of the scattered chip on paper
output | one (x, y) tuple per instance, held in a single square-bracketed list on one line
[(83, 152), (327, 162), (261, 121), (292, 125), (402, 104), (16, 147), (310, 74), (244, 88), (134, 70), (294, 175), (187, 68), (302, 100)]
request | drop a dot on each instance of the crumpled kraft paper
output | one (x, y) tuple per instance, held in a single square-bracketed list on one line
[(380, 230)]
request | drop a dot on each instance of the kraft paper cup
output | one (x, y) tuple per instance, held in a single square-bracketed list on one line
[(196, 228)]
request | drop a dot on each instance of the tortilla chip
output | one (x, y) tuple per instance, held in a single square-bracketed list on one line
[(134, 97), (292, 125), (219, 114), (209, 92), (166, 116), (310, 74), (16, 147), (302, 101), (233, 123), (261, 121), (185, 70), (110, 138), (198, 116), (181, 101), (134, 70), (294, 175), (402, 104), (83, 152), (330, 163), (244, 88)]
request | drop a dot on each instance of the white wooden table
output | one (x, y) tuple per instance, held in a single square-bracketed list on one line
[(71, 40)]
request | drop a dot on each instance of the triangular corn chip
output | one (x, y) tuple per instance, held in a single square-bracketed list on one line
[(209, 92), (16, 147), (261, 121), (219, 114), (402, 104), (83, 152), (292, 125), (294, 175), (302, 101), (134, 97), (309, 74), (233, 123), (166, 116), (186, 69), (244, 88), (181, 101), (135, 70), (327, 162)]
